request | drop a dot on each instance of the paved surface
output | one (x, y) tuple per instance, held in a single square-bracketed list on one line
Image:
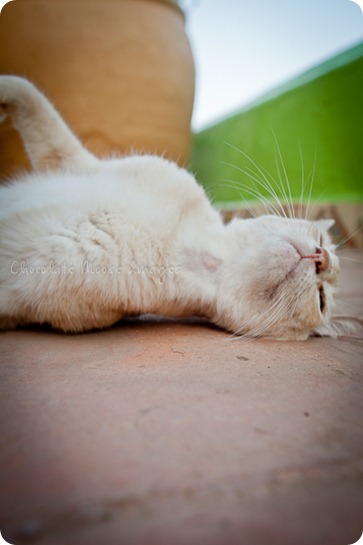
[(174, 434)]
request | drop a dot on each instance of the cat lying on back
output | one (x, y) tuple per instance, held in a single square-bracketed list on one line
[(85, 242)]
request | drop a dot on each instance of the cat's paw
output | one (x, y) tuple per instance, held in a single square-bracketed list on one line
[(14, 94), (3, 114)]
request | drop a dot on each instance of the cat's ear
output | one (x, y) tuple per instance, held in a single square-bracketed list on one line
[(324, 225), (341, 326)]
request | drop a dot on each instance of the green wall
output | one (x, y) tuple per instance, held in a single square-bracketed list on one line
[(316, 122)]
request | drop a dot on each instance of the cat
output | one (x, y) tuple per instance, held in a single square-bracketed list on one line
[(87, 241)]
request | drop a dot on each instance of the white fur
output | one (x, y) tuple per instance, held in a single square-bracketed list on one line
[(85, 242)]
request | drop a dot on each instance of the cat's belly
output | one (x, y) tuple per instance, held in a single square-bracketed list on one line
[(80, 272)]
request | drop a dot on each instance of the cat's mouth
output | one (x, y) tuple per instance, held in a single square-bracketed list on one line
[(320, 258)]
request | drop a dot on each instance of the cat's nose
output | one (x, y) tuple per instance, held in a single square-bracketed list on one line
[(321, 259)]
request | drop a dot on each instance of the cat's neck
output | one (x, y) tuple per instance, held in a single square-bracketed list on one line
[(199, 277)]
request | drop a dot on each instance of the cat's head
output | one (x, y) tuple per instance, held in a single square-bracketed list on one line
[(281, 280)]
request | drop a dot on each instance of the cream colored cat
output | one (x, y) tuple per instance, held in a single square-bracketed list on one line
[(85, 242)]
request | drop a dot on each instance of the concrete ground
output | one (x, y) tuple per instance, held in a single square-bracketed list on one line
[(161, 433)]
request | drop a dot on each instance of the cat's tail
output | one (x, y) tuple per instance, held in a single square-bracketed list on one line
[(48, 141)]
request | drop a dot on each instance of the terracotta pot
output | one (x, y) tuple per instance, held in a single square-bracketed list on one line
[(120, 72)]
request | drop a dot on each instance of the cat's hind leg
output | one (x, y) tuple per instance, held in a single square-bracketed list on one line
[(48, 141)]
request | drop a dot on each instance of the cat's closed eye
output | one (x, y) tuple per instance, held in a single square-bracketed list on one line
[(322, 299)]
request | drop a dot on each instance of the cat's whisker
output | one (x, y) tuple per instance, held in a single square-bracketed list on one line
[(267, 185), (348, 258), (308, 213), (280, 203), (255, 178), (248, 172), (266, 204), (269, 207), (237, 187), (272, 313), (270, 187), (289, 305), (345, 303), (347, 238), (288, 199), (258, 169), (303, 183), (317, 203)]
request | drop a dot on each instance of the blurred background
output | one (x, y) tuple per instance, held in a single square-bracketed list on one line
[(243, 48)]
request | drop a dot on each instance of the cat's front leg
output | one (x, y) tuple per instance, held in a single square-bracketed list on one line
[(48, 141)]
